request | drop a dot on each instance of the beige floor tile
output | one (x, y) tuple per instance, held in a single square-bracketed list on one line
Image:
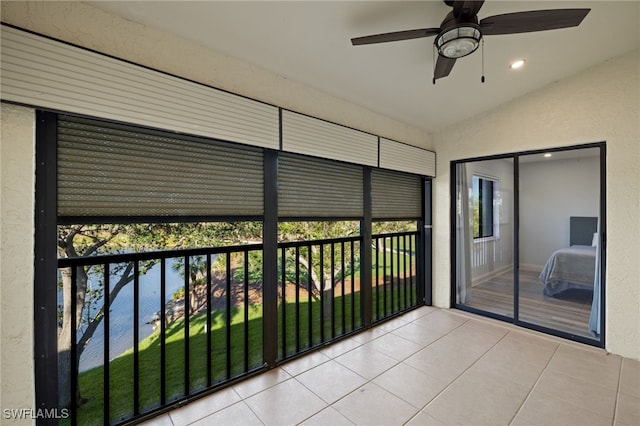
[(369, 335), (472, 338), (442, 363), (328, 417), (286, 403), (393, 324), (628, 410), (581, 393), (515, 370), (423, 419), (331, 381), (418, 313), (420, 335), (261, 382), (518, 347), (541, 409), (441, 320), (410, 384), (394, 346), (304, 363), (481, 329), (630, 377), (478, 398), (366, 361), (204, 407), (372, 405), (163, 420), (238, 414), (586, 364), (341, 347)]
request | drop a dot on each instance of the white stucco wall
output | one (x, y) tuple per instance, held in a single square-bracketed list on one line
[(17, 183), (599, 104), (86, 26)]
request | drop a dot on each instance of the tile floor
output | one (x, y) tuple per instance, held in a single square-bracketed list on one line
[(433, 367)]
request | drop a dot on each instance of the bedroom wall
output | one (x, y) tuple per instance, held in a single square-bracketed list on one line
[(550, 193), (599, 104)]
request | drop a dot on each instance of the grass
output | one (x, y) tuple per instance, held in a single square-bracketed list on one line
[(303, 329)]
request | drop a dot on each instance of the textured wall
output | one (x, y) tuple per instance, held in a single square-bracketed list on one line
[(17, 183), (599, 104), (84, 25)]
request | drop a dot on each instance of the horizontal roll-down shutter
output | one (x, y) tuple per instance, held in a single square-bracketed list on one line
[(313, 187), (108, 169), (395, 195)]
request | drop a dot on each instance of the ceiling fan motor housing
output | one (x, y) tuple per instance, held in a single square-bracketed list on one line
[(459, 37)]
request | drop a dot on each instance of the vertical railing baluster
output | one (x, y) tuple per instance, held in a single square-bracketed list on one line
[(187, 304), (404, 263), (297, 268), (228, 314), (106, 319), (384, 275), (377, 266), (332, 284), (136, 337), (392, 275), (353, 287), (209, 348), (284, 301), (163, 331), (246, 310), (309, 297), (73, 414), (342, 267), (399, 273), (413, 275), (321, 278)]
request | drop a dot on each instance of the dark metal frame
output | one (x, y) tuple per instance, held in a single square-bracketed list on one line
[(46, 369), (45, 294), (600, 342)]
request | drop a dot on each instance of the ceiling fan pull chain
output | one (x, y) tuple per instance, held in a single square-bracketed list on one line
[(482, 79), (433, 54)]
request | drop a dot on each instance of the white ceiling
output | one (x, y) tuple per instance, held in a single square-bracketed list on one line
[(309, 42)]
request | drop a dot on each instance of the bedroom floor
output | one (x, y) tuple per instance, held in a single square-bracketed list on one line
[(433, 367), (568, 312)]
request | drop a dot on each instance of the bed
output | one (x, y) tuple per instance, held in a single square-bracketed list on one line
[(573, 267)]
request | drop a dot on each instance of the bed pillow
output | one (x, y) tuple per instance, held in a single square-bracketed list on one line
[(594, 241)]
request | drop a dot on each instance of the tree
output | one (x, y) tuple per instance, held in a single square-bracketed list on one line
[(93, 240)]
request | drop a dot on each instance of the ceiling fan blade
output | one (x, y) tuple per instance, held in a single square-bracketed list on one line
[(466, 9), (533, 20), (395, 36), (443, 67)]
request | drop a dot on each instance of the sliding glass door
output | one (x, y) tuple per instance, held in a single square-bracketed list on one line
[(527, 242), (484, 235)]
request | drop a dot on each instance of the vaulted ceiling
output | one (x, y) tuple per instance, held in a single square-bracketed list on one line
[(309, 42)]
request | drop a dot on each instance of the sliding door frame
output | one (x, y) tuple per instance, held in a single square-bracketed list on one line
[(598, 342)]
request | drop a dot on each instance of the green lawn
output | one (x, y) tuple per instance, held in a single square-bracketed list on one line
[(300, 334)]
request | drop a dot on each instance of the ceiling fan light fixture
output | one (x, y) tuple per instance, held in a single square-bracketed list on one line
[(459, 41)]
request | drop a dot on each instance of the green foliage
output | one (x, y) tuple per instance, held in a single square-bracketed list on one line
[(121, 368)]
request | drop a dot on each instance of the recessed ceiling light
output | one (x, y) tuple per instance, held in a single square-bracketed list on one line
[(547, 155), (517, 64)]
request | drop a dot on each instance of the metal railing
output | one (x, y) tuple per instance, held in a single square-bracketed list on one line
[(395, 283), (208, 326)]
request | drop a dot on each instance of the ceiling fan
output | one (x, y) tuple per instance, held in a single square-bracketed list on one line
[(460, 32)]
